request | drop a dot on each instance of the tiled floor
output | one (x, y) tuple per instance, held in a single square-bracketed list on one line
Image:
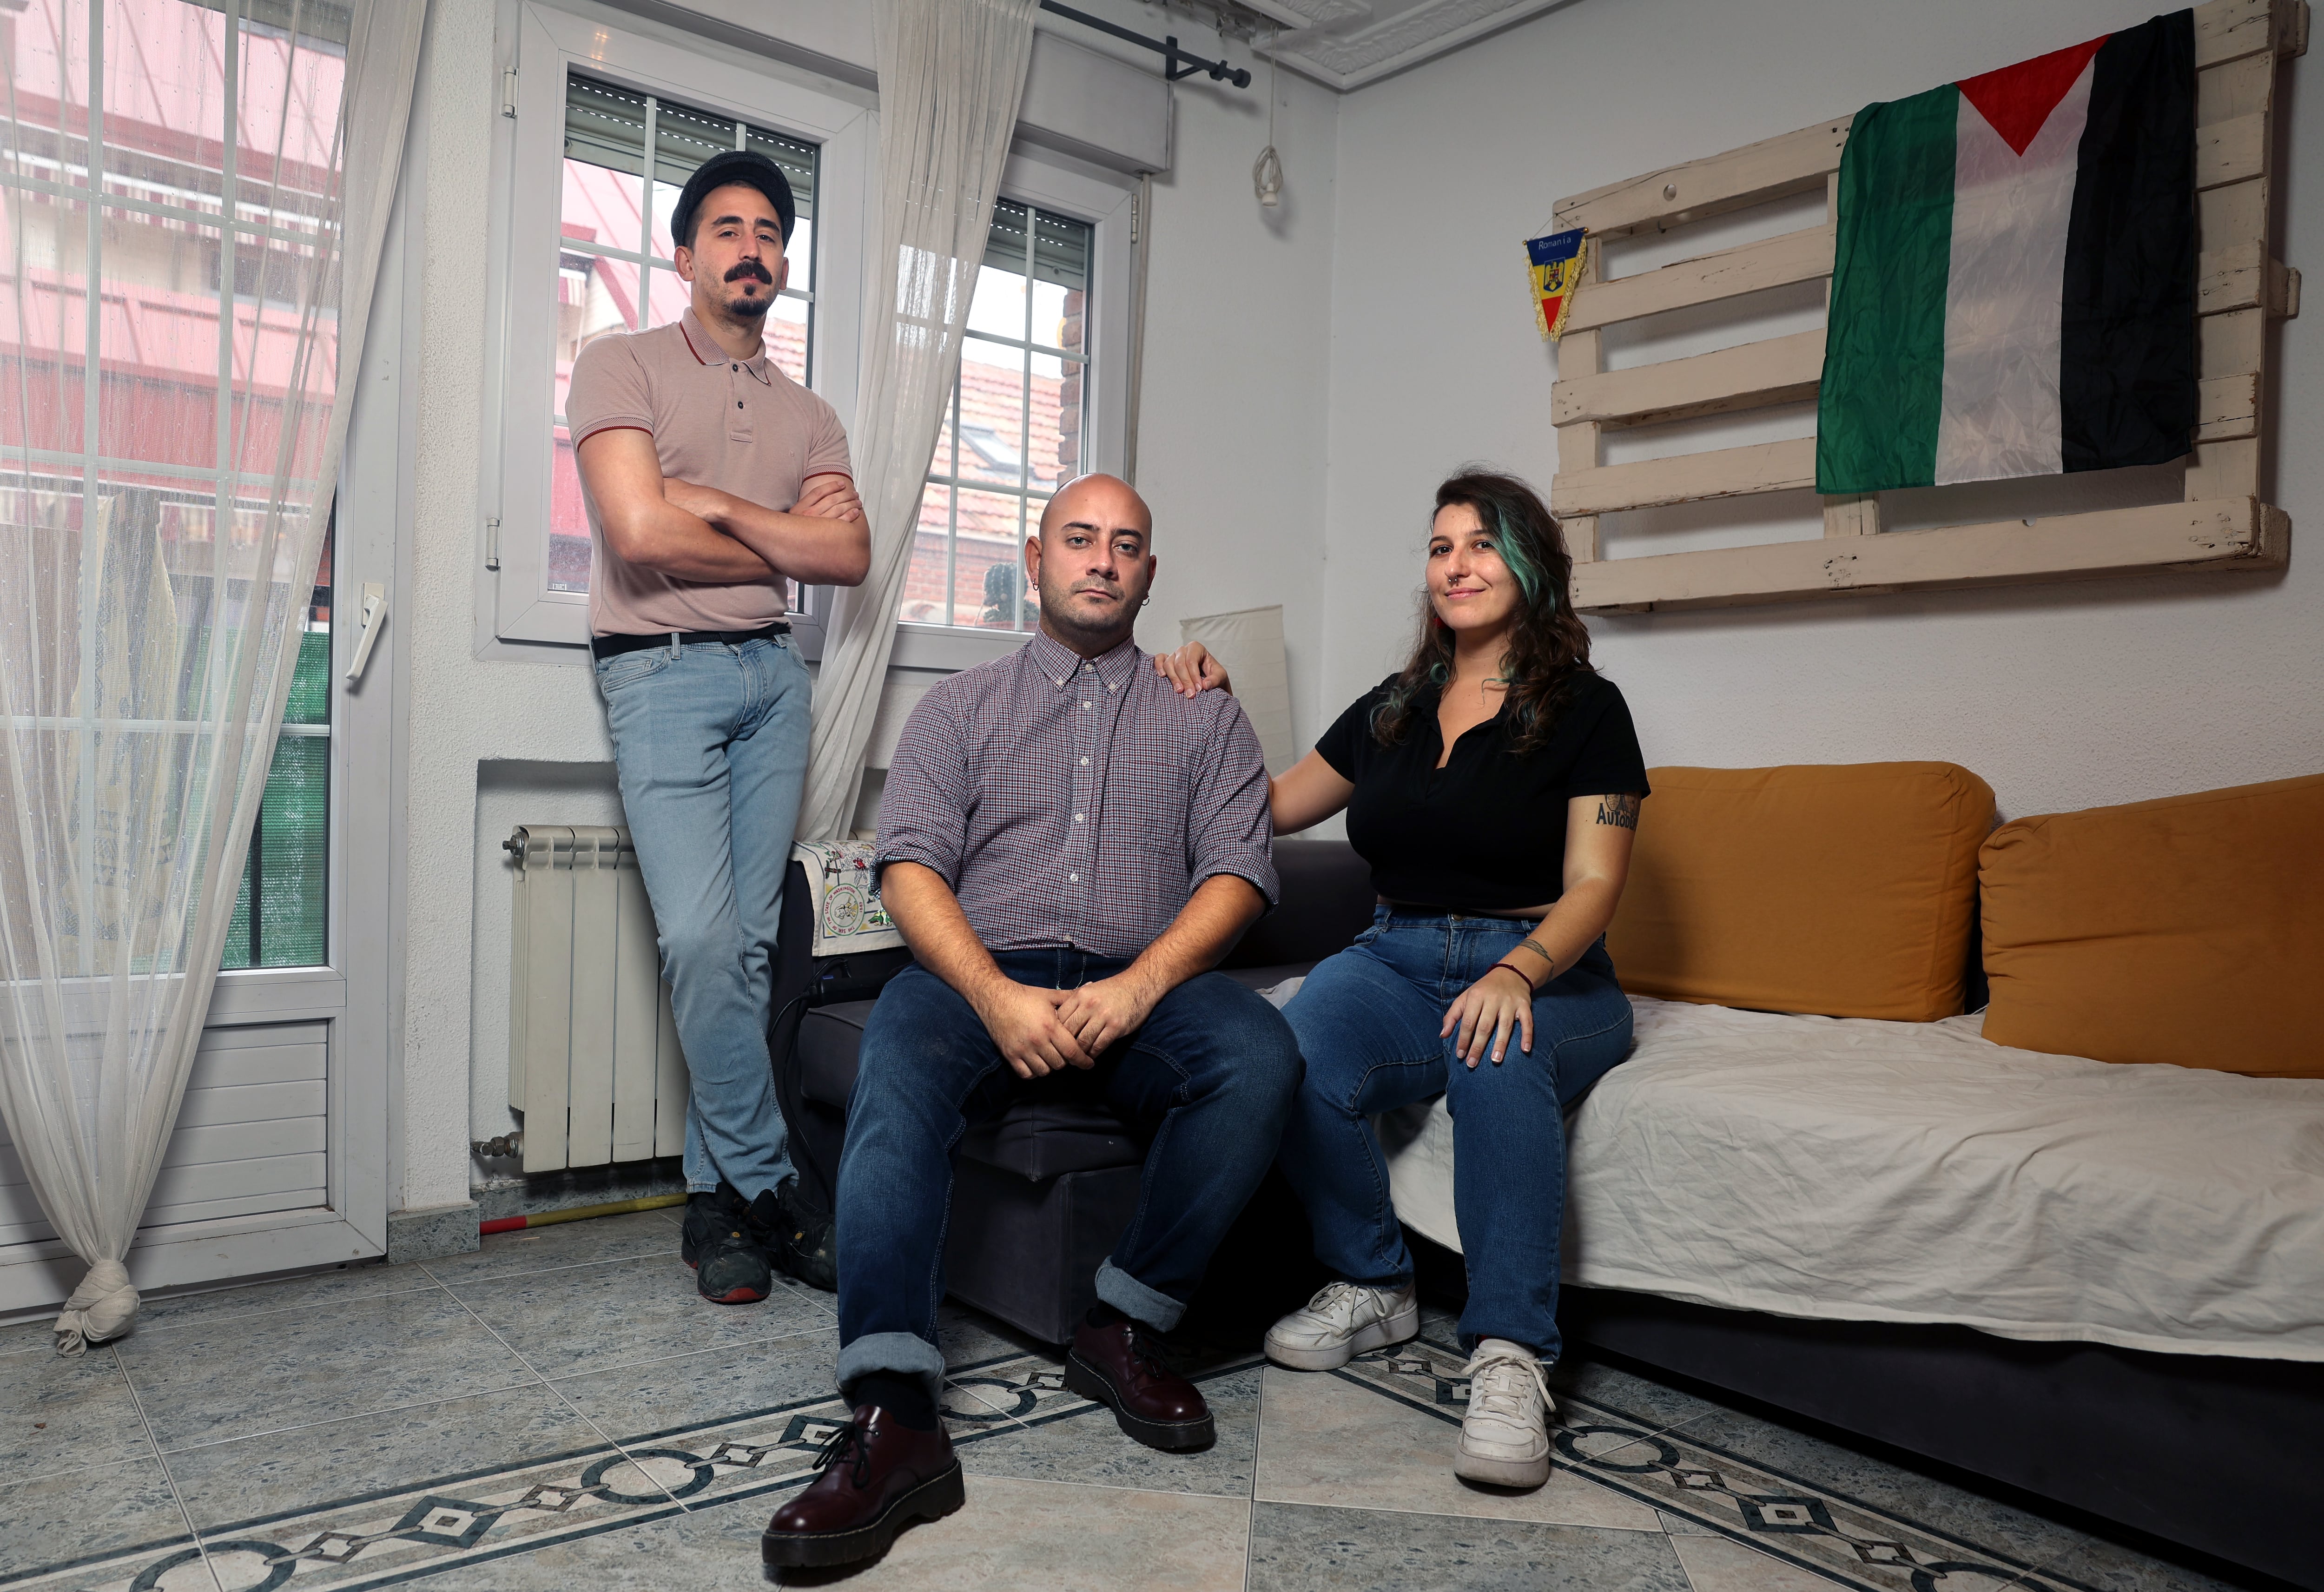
[(561, 1411)]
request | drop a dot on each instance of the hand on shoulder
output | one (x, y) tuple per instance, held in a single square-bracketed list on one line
[(1192, 670)]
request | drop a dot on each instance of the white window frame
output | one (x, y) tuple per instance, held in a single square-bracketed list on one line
[(1051, 185), (547, 44), (541, 44)]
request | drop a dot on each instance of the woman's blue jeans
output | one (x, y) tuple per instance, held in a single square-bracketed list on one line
[(1366, 1022)]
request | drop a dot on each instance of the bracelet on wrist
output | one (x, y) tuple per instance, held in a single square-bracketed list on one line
[(1510, 968)]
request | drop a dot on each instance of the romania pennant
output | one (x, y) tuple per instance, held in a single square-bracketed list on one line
[(1555, 268)]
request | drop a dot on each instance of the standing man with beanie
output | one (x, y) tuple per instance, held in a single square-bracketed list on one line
[(711, 479)]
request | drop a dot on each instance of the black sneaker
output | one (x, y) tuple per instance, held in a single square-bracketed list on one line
[(728, 1257), (804, 1243)]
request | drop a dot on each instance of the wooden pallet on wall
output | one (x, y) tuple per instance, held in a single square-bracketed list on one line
[(2221, 525)]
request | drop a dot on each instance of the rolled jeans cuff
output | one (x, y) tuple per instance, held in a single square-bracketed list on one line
[(1135, 1300), (899, 1354)]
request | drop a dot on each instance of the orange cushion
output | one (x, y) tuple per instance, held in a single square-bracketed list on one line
[(1846, 889), (2186, 930)]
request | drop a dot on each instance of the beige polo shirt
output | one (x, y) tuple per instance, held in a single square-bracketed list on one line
[(740, 425)]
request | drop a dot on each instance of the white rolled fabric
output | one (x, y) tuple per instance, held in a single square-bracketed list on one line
[(99, 1310)]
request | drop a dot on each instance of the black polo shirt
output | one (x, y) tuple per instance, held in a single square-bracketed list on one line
[(1487, 832)]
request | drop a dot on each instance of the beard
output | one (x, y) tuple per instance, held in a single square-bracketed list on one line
[(751, 308), (754, 308), (1099, 636)]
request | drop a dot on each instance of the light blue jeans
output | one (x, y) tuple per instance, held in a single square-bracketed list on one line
[(711, 746), (1367, 1023)]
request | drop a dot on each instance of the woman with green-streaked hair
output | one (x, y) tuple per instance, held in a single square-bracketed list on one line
[(1484, 977)]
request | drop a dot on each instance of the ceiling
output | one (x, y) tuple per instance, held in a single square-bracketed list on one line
[(1348, 43)]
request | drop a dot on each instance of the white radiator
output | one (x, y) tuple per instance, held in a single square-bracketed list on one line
[(594, 1062)]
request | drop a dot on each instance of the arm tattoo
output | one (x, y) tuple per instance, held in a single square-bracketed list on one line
[(1621, 811)]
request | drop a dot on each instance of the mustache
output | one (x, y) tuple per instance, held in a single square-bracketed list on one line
[(751, 267)]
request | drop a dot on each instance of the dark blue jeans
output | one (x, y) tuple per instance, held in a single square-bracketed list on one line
[(1215, 1067), (1366, 1021)]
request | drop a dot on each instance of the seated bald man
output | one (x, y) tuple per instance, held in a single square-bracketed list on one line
[(1069, 846)]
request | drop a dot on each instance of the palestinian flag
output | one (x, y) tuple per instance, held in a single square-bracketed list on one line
[(2013, 289)]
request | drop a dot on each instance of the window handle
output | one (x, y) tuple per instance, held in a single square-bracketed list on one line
[(374, 612)]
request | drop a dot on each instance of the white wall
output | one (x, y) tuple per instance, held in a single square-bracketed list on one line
[(1237, 346), (2062, 696), (1240, 315)]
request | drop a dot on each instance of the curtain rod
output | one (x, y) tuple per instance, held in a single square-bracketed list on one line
[(1166, 48)]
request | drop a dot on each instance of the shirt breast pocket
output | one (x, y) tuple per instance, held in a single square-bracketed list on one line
[(1163, 873)]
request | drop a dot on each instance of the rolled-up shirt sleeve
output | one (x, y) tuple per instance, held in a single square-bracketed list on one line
[(1228, 826), (924, 806)]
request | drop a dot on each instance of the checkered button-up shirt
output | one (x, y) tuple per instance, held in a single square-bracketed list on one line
[(1073, 801)]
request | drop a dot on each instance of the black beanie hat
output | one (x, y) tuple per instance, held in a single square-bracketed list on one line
[(737, 165)]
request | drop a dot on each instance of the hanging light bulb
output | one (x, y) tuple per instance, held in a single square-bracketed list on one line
[(1266, 178), (1267, 171)]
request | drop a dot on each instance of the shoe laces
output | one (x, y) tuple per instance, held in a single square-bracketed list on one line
[(1341, 1303), (1497, 1383), (851, 1445), (1145, 1355)]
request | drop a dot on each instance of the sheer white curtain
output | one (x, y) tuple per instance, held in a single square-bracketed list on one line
[(194, 194), (951, 73)]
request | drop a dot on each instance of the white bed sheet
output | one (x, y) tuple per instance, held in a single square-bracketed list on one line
[(1854, 1170)]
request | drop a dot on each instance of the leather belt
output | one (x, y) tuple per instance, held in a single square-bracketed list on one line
[(614, 646)]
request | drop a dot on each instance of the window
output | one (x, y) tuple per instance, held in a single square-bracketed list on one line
[(279, 910), (199, 259), (1017, 426), (614, 266), (602, 132), (1042, 397)]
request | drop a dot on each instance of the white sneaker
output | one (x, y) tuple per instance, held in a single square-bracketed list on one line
[(1505, 1436), (1343, 1320)]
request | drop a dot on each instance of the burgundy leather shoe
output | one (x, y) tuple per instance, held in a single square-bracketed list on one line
[(1118, 1368), (879, 1476)]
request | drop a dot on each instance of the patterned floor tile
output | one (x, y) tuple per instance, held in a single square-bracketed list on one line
[(716, 1551), (231, 1488), (1330, 1439), (60, 1530), (592, 1318), (364, 1428), (432, 1520), (646, 1399), (1009, 1534), (2101, 1565), (1642, 1403), (1835, 1535), (214, 1380), (1086, 1445), (1304, 1548), (1975, 1524), (1721, 1564), (59, 1414), (562, 1243)]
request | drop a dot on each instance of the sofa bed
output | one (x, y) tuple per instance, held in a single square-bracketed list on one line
[(2005, 1147), (2072, 1240)]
